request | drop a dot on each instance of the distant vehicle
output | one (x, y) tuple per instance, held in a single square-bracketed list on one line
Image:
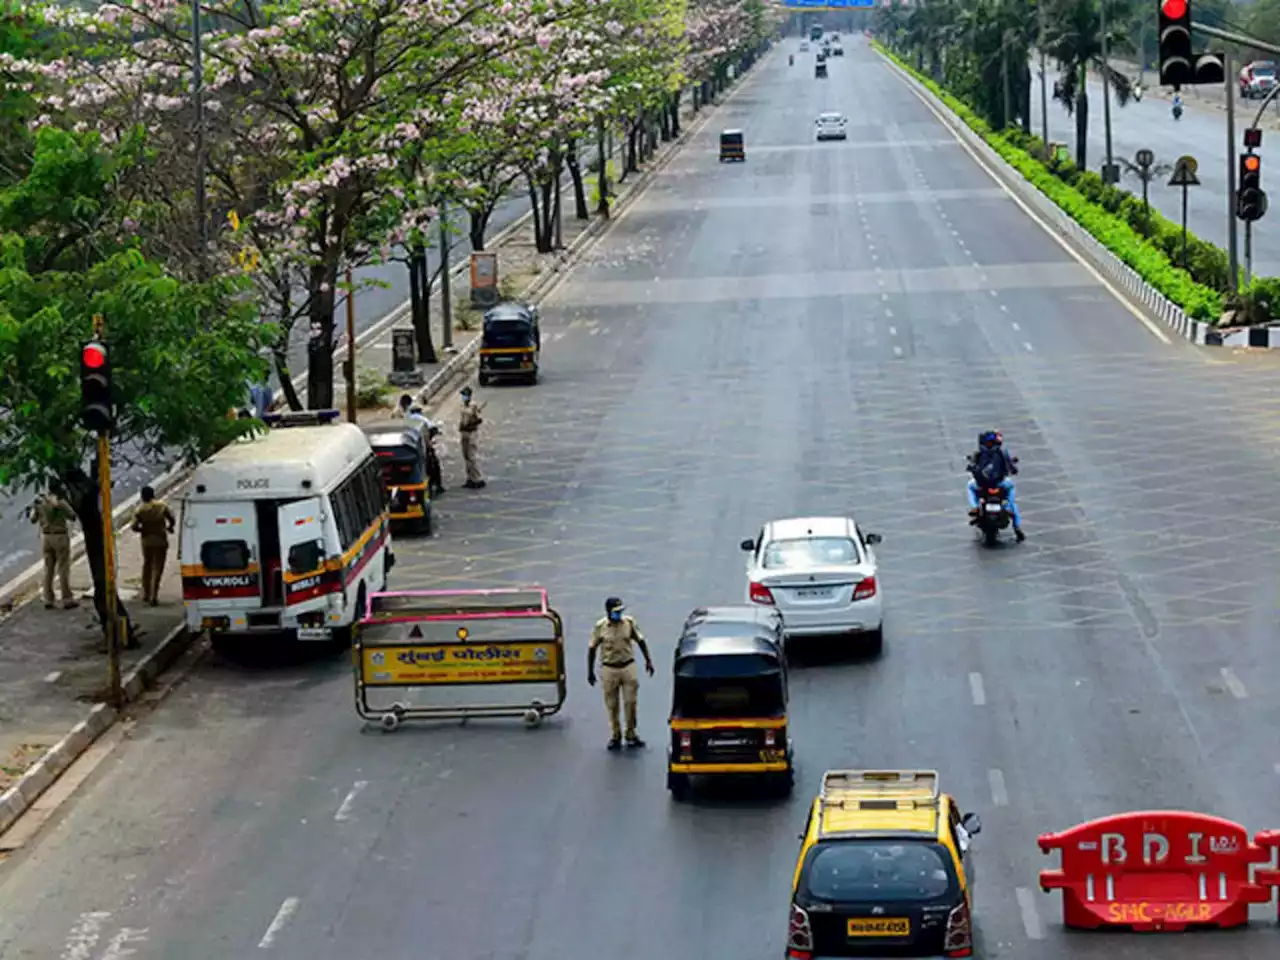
[(820, 70), (804, 46), (837, 51), (830, 126), (885, 869), (815, 31), (820, 574), (1257, 79)]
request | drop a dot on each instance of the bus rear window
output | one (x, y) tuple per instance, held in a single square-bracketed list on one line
[(224, 555)]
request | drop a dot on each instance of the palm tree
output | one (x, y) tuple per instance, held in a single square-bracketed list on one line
[(1073, 37)]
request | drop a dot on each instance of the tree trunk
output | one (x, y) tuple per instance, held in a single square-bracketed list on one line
[(580, 211), (675, 112), (82, 495), (633, 160), (546, 242), (420, 285), (280, 359), (1024, 99), (602, 175), (664, 120), (478, 225), (320, 336), (1082, 129)]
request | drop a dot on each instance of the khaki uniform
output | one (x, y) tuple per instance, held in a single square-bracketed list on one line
[(54, 515), (154, 521), (468, 431), (618, 670)]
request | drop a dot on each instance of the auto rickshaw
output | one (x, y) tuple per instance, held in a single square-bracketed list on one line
[(729, 700), (820, 71), (403, 452), (732, 146), (510, 343)]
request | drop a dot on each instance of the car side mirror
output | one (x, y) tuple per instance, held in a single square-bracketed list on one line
[(874, 538), (748, 545), (972, 824)]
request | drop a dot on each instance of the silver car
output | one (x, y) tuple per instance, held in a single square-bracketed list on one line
[(820, 574), (830, 126)]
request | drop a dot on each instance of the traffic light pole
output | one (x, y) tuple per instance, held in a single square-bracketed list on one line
[(115, 691), (1233, 260), (1248, 252)]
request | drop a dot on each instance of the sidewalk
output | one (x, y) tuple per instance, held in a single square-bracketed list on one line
[(53, 675)]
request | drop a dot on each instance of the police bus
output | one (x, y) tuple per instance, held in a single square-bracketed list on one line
[(286, 531)]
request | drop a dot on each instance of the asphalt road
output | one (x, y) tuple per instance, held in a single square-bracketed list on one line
[(388, 287), (822, 329), (1202, 133)]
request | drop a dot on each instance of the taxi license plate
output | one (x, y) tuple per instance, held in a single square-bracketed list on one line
[(880, 927)]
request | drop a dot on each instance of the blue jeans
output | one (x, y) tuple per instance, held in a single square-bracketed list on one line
[(1007, 488)]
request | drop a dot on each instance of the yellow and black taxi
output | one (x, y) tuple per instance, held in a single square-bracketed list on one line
[(733, 146), (729, 699), (402, 451), (510, 343), (884, 870)]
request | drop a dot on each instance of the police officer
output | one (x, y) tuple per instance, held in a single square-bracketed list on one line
[(469, 421), (614, 636), (55, 516), (154, 521)]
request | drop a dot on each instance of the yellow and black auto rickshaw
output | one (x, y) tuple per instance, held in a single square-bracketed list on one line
[(729, 699), (510, 343), (820, 70), (732, 146), (403, 451)]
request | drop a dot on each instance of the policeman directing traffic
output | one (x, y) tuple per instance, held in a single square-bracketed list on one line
[(614, 635)]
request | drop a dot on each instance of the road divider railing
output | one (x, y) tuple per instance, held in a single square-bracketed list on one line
[(456, 654), (1168, 870)]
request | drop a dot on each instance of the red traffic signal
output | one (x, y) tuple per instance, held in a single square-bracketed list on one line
[(1174, 9), (94, 355), (1251, 163)]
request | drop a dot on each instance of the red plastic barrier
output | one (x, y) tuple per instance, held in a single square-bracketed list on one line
[(1269, 840), (1156, 870)]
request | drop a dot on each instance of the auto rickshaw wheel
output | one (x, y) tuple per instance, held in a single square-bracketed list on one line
[(678, 784), (426, 525), (483, 379)]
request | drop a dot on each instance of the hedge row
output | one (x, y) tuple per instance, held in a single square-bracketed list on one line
[(1113, 216)]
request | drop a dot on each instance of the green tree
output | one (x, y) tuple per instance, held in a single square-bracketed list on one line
[(181, 353), (1073, 37)]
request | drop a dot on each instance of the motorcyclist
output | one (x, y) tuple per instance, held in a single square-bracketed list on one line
[(992, 464), (1177, 105), (791, 60)]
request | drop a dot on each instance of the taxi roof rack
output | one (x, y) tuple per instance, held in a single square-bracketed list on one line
[(880, 789), (301, 418)]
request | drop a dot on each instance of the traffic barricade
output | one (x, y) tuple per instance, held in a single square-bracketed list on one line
[(1156, 870), (1270, 877), (454, 654)]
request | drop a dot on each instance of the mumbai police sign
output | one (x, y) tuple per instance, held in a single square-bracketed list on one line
[(532, 661)]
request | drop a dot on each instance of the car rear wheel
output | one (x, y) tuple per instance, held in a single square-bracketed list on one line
[(483, 379), (874, 641)]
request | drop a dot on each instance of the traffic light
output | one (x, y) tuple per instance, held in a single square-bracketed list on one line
[(96, 411), (1176, 65), (1251, 201), (1179, 64)]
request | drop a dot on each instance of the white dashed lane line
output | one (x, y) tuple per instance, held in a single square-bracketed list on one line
[(1030, 916), (1234, 684), (280, 921), (344, 810), (999, 795), (977, 690)]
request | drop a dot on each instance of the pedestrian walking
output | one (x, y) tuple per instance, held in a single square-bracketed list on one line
[(613, 636), (54, 515), (469, 421), (154, 522)]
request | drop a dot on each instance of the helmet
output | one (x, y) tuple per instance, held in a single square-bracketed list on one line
[(612, 604), (989, 438)]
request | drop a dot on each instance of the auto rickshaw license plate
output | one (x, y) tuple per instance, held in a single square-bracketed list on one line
[(880, 927)]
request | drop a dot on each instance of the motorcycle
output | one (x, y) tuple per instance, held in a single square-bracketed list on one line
[(1177, 111), (993, 514), (791, 60)]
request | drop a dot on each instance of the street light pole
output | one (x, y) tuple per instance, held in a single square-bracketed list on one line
[(1233, 259), (1109, 171), (1044, 84), (197, 96)]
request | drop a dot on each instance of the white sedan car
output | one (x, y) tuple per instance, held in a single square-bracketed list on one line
[(820, 574), (831, 126)]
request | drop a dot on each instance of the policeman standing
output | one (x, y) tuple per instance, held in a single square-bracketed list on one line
[(55, 516), (614, 636), (154, 521), (469, 421)]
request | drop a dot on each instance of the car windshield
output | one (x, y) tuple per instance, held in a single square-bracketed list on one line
[(830, 118), (810, 552), (878, 871), (1264, 71)]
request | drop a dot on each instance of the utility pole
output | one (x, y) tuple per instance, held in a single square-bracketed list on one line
[(1110, 173), (197, 96), (446, 289), (1233, 260), (95, 358), (1044, 83), (351, 348)]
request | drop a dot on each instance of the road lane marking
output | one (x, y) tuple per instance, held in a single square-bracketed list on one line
[(1234, 684), (897, 351), (888, 313), (287, 910), (893, 331), (52, 677), (1027, 345), (118, 946), (1030, 917), (1015, 325), (1061, 241), (999, 795), (84, 935), (977, 689), (344, 811)]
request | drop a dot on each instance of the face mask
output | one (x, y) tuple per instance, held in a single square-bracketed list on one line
[(615, 615), (466, 400)]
